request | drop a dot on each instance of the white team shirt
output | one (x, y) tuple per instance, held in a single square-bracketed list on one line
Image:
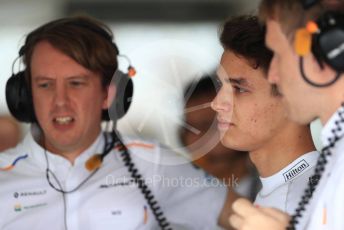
[(283, 190), (108, 200), (326, 208)]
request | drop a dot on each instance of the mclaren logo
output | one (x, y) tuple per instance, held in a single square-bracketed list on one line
[(295, 170)]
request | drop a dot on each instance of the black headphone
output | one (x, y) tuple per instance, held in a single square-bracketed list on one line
[(18, 93), (328, 42), (328, 37)]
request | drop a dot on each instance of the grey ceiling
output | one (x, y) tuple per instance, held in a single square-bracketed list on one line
[(154, 10)]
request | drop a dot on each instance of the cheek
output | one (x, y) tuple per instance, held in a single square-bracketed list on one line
[(261, 117), (89, 101), (41, 105), (247, 114), (289, 66), (275, 116)]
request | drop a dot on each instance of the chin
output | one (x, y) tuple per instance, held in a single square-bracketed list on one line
[(234, 143), (229, 144)]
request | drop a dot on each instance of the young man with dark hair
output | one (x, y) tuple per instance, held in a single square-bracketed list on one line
[(69, 174), (252, 117), (307, 67), (201, 139)]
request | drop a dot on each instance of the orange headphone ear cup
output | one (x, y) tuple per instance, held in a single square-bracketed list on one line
[(303, 42)]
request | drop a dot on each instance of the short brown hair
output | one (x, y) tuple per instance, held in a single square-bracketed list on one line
[(244, 36), (84, 39), (291, 14)]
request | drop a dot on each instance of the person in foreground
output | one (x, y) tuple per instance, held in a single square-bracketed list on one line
[(230, 166), (307, 67)]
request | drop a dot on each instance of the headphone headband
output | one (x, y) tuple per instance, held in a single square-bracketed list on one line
[(306, 4)]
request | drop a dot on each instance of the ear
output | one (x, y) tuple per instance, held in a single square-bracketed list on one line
[(110, 96)]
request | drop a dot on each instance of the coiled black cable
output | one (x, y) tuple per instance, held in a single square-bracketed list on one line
[(137, 178), (319, 169)]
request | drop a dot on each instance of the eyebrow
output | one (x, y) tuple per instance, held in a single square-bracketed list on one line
[(239, 81), (38, 78)]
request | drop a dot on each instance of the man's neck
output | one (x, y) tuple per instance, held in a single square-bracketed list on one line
[(280, 151), (70, 153), (331, 104)]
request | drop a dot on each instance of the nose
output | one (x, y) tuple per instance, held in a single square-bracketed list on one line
[(61, 95), (272, 73), (222, 101)]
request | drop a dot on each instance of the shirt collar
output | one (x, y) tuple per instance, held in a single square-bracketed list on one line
[(36, 152), (289, 173), (333, 127)]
